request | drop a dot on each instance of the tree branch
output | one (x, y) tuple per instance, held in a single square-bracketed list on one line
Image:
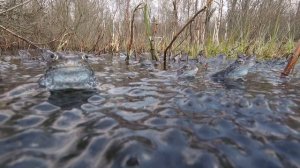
[(131, 32), (20, 37), (14, 7), (181, 30), (292, 62)]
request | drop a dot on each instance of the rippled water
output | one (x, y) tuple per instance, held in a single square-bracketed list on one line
[(149, 118)]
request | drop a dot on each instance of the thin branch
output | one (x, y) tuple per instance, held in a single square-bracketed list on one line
[(181, 30), (20, 37), (181, 42), (100, 36), (14, 7), (131, 32)]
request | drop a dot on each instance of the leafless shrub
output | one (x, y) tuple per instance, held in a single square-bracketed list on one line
[(103, 25)]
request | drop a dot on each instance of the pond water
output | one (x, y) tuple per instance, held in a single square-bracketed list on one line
[(138, 117)]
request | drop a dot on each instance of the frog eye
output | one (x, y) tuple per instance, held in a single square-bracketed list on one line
[(240, 61), (85, 57), (53, 56)]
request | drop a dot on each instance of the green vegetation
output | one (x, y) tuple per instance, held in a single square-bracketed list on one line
[(149, 32)]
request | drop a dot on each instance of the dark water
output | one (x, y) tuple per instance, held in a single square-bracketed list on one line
[(150, 119)]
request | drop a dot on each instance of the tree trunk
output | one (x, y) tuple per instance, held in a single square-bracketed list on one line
[(231, 15), (175, 14)]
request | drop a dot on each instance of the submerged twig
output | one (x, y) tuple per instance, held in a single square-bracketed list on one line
[(181, 30), (292, 61), (20, 37)]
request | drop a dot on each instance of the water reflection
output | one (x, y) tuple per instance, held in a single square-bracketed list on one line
[(69, 99)]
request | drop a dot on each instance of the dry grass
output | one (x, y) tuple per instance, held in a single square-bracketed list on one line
[(267, 28)]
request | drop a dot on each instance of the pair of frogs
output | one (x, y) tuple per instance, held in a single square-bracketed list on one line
[(72, 71)]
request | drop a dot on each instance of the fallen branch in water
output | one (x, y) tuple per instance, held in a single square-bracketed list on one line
[(20, 37), (181, 30), (292, 61)]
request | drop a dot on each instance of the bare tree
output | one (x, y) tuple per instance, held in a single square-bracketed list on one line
[(104, 25)]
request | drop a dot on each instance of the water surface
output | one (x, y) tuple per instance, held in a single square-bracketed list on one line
[(149, 118)]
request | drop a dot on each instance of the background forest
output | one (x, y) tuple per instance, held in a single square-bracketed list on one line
[(268, 28)]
